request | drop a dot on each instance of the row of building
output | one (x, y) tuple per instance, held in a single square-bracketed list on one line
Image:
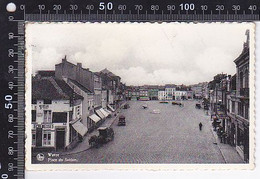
[(69, 102), (167, 92), (229, 103)]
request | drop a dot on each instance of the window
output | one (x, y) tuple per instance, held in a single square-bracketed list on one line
[(46, 101), (233, 106), (241, 79), (47, 116), (33, 115), (33, 138), (240, 138), (46, 138), (59, 117), (246, 111), (78, 110), (34, 101)]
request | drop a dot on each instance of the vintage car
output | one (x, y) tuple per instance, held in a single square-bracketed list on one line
[(126, 106), (198, 106), (164, 102), (177, 103), (121, 121), (106, 134)]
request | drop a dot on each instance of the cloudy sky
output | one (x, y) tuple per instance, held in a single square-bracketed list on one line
[(140, 53)]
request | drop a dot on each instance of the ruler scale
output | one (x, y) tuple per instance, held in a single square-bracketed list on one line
[(12, 43)]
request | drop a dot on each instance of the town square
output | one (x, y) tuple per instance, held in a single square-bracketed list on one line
[(128, 110)]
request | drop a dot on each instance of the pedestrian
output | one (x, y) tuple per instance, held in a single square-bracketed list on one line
[(200, 126)]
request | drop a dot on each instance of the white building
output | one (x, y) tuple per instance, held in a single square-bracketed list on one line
[(56, 115), (161, 95), (87, 103), (169, 92)]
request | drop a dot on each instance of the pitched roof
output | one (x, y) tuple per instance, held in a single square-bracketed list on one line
[(170, 86), (83, 88), (52, 89), (46, 73), (106, 71)]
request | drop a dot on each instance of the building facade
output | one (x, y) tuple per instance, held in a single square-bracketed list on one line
[(56, 115)]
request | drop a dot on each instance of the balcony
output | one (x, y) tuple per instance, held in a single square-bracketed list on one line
[(244, 92)]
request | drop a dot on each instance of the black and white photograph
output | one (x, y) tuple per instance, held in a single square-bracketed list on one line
[(139, 93)]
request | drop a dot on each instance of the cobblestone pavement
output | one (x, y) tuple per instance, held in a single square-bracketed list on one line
[(229, 153), (173, 136)]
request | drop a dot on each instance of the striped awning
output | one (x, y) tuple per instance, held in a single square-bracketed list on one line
[(100, 114), (104, 112), (111, 108), (94, 118), (109, 112), (80, 128)]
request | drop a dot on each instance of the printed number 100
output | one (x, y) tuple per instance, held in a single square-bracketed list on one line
[(187, 7)]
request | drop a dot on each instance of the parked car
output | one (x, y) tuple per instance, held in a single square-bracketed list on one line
[(177, 103), (198, 106), (164, 102), (126, 106), (121, 121), (106, 134)]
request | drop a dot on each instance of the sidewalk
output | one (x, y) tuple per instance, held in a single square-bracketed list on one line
[(229, 153), (84, 145)]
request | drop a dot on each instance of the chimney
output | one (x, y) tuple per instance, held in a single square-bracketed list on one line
[(246, 44), (64, 59), (79, 65)]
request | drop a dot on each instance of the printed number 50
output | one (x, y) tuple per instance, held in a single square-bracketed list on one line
[(103, 6)]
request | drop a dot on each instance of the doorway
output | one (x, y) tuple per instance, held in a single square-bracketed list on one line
[(60, 139)]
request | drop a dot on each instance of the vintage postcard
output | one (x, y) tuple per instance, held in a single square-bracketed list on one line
[(154, 96)]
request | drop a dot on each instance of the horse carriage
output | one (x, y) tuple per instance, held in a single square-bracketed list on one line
[(106, 134)]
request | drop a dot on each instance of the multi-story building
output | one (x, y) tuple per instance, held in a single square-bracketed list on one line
[(143, 93), (56, 115), (153, 92), (161, 93), (97, 90), (181, 95), (135, 94), (242, 101), (113, 85), (190, 94), (231, 110), (75, 72), (229, 102), (170, 91), (87, 103)]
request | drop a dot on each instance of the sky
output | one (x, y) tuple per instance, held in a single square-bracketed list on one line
[(140, 53)]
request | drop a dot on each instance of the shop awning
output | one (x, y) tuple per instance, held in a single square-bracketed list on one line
[(109, 112), (80, 128), (100, 114), (104, 112), (94, 118), (111, 108)]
